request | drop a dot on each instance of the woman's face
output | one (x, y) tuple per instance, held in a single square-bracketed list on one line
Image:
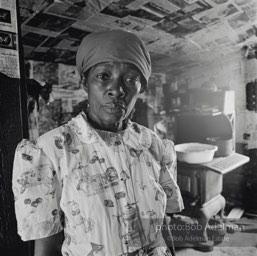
[(112, 89)]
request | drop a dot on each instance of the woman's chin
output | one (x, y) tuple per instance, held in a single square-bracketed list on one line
[(114, 115)]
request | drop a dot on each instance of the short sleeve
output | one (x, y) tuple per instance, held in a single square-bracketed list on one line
[(168, 178), (37, 192)]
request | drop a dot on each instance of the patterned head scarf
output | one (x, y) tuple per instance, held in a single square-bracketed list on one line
[(114, 45)]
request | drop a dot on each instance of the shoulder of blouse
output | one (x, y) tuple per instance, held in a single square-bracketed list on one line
[(161, 149), (48, 138)]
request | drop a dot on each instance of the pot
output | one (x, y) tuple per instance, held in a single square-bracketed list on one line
[(225, 146)]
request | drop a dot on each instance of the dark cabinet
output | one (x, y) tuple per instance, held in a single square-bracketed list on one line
[(12, 130)]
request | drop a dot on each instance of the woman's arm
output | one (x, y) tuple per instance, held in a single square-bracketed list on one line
[(49, 246)]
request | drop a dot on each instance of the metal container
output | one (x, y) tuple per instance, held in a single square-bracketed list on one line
[(225, 146)]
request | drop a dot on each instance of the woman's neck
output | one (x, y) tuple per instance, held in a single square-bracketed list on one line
[(117, 127)]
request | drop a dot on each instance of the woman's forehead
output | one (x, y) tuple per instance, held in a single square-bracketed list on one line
[(116, 65)]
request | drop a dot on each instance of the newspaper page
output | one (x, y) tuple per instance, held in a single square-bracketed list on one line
[(8, 17), (217, 13), (9, 57), (9, 62), (68, 77), (160, 8)]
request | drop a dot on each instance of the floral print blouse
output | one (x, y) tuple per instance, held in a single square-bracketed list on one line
[(107, 191)]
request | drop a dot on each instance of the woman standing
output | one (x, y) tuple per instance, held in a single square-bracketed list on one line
[(100, 184)]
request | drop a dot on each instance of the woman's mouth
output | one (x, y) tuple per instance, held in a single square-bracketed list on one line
[(115, 108)]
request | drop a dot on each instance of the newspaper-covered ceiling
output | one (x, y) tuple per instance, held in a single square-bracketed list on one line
[(181, 32)]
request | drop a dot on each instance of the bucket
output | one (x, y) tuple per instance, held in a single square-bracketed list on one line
[(225, 146)]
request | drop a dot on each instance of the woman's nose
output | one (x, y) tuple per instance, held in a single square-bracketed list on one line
[(116, 89)]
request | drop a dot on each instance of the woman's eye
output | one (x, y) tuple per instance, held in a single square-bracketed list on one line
[(132, 80), (103, 76)]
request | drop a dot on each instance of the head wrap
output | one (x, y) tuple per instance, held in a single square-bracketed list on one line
[(114, 45)]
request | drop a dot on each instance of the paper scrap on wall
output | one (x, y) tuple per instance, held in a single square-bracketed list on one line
[(9, 62)]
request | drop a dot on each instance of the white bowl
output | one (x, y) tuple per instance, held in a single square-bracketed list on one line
[(195, 153)]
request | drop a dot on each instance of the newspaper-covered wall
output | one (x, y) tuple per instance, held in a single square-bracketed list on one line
[(9, 56)]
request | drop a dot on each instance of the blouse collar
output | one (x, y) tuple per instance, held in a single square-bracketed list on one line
[(134, 134)]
